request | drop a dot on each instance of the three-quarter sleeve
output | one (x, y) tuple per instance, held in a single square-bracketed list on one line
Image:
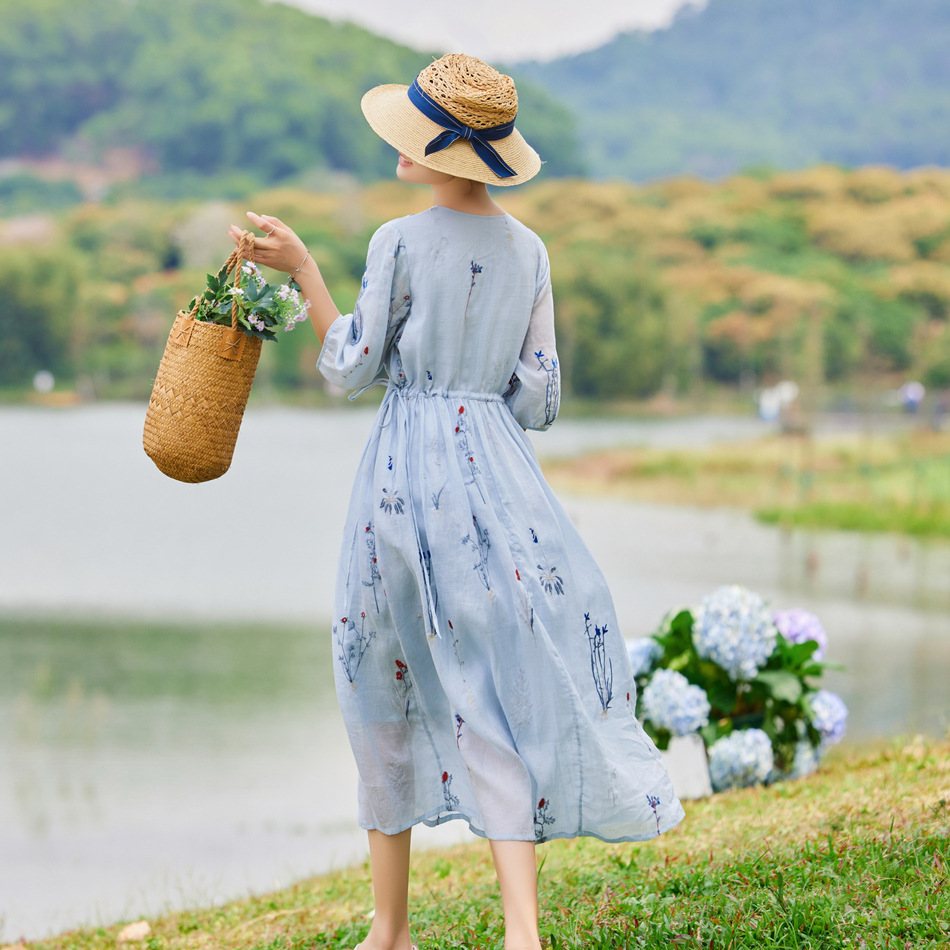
[(534, 392), (358, 343)]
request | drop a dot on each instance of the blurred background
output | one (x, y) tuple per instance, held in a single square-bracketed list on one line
[(747, 208)]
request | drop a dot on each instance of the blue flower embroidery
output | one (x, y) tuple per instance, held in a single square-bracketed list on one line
[(476, 270), (654, 803), (550, 581), (601, 667), (391, 503)]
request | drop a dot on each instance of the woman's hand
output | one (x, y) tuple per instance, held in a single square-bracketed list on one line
[(279, 247)]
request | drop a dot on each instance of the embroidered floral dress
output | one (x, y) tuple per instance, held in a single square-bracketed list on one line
[(479, 663)]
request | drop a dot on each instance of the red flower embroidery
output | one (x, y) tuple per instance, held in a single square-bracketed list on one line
[(445, 776), (365, 349), (461, 409), (401, 665), (517, 574), (450, 626), (628, 697), (541, 803), (344, 620), (456, 429), (398, 674)]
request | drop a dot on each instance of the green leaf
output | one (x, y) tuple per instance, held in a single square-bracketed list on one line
[(781, 684)]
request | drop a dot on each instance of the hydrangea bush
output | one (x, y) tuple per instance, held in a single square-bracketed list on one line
[(263, 308), (745, 679)]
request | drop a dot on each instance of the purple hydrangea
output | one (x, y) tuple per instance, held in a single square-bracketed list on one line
[(740, 759), (733, 627), (799, 626), (671, 702), (829, 715), (644, 652)]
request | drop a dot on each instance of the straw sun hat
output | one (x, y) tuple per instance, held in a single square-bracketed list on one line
[(457, 117)]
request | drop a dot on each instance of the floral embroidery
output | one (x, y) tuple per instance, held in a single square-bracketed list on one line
[(374, 574), (459, 722), (391, 502), (437, 497), (482, 545), (534, 537), (601, 667), (353, 644), (552, 388), (403, 684), (389, 464), (654, 802), (451, 801), (542, 818), (550, 581), (476, 270), (462, 432)]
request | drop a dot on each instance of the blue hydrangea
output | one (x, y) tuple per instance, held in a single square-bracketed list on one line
[(733, 627), (806, 759), (742, 758), (797, 626), (829, 715), (644, 652), (671, 702)]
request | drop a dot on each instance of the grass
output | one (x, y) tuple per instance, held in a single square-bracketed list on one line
[(854, 856), (898, 482)]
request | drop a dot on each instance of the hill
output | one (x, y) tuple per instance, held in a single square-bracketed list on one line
[(211, 88), (782, 83)]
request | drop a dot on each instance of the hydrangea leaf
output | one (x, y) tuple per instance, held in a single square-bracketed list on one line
[(782, 684)]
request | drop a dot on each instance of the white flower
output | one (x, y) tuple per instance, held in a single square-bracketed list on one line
[(734, 628), (742, 758), (644, 652), (671, 702), (829, 715)]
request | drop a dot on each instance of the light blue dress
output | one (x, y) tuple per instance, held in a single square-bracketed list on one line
[(479, 664)]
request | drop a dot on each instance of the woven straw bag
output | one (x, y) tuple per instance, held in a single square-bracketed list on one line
[(201, 389)]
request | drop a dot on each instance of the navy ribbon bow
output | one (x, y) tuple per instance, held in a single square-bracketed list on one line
[(454, 130)]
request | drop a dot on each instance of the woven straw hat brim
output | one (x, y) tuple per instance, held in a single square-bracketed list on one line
[(394, 118)]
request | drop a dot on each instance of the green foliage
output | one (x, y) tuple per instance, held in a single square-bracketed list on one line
[(618, 333), (38, 304), (23, 193), (214, 87), (780, 83)]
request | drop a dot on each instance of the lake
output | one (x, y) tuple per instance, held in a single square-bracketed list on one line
[(168, 730)]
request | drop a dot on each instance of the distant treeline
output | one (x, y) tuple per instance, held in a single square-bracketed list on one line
[(822, 276), (780, 83), (207, 89)]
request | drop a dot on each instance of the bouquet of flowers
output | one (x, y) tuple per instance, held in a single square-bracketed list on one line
[(262, 309), (743, 677)]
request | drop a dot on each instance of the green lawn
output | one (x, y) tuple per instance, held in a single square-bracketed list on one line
[(854, 856), (856, 482)]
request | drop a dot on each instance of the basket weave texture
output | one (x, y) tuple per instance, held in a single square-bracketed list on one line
[(195, 411)]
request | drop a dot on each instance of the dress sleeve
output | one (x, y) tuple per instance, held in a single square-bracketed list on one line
[(534, 391), (358, 343)]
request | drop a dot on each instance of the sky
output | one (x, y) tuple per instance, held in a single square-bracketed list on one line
[(500, 30)]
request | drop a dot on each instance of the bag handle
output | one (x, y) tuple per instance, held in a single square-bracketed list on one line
[(244, 251)]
